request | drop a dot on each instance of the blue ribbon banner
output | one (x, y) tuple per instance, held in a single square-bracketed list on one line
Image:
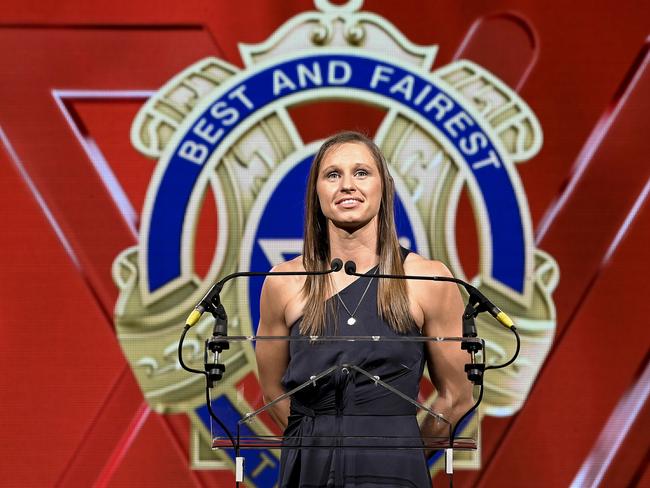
[(266, 85)]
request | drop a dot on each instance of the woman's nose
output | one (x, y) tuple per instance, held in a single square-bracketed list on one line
[(347, 183)]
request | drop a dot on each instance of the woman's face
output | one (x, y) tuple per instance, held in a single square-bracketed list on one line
[(349, 186)]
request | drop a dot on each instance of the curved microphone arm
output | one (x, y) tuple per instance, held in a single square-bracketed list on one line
[(483, 303), (211, 300)]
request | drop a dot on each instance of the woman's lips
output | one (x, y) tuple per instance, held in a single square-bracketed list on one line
[(348, 203)]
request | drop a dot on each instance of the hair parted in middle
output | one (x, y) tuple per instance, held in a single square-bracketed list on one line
[(392, 297)]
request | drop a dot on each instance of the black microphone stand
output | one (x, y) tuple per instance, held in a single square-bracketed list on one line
[(476, 304), (473, 369), (214, 370), (217, 344)]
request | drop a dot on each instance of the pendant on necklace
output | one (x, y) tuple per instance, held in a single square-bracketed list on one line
[(352, 321)]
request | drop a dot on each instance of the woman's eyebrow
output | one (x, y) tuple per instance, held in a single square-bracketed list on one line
[(328, 168)]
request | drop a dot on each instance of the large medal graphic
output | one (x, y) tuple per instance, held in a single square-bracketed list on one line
[(223, 133)]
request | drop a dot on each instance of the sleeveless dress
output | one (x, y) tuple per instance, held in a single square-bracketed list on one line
[(347, 403)]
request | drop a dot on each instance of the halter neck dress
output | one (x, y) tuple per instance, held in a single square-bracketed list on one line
[(346, 404)]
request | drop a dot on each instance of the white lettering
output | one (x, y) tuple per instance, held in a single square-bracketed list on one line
[(471, 144), (405, 87), (458, 121), (314, 75), (281, 82), (425, 91), (442, 103), (229, 114), (492, 160), (378, 75), (193, 152), (333, 78), (238, 93), (205, 131)]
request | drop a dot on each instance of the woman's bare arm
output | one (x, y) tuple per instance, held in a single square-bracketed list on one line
[(273, 356), (442, 309)]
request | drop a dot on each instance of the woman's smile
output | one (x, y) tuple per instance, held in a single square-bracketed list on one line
[(349, 202)]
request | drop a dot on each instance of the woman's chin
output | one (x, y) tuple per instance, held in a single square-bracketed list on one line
[(351, 225)]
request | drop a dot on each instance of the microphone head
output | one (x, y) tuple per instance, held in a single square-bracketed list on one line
[(350, 267), (336, 265)]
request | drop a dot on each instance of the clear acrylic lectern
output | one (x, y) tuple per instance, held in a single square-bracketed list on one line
[(363, 396)]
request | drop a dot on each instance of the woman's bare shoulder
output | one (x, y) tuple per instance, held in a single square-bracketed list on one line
[(418, 265), (278, 293), (286, 285), (294, 264)]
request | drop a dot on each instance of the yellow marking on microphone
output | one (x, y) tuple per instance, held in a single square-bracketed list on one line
[(193, 318), (504, 319)]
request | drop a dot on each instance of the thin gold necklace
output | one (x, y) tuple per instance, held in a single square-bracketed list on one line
[(352, 320)]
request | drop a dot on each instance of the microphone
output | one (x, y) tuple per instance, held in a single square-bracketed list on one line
[(336, 265), (475, 295), (211, 301)]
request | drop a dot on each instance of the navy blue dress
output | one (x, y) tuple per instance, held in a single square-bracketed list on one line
[(350, 404)]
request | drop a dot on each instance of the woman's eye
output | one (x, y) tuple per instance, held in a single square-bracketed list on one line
[(362, 172), (332, 175)]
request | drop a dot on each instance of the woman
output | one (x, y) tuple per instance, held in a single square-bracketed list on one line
[(349, 215)]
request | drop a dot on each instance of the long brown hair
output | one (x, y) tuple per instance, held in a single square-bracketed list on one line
[(392, 297)]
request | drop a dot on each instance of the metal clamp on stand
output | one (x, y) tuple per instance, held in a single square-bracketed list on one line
[(473, 369), (216, 345)]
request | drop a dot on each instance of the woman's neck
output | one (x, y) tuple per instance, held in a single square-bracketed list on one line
[(359, 245)]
